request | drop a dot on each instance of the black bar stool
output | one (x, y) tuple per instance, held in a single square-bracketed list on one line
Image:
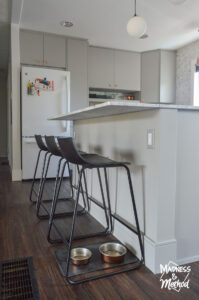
[(54, 150), (42, 147), (70, 153), (108, 227)]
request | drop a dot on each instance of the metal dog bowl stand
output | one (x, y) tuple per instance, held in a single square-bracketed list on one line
[(95, 264)]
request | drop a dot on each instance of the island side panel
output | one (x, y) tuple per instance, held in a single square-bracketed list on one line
[(187, 194)]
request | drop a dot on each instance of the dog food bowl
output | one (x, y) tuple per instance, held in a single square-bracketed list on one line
[(112, 252), (80, 256)]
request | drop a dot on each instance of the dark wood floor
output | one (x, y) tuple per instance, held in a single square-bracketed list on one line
[(22, 235)]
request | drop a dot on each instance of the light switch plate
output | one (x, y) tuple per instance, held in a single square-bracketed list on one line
[(150, 138)]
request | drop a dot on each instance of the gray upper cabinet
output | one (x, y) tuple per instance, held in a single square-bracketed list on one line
[(31, 45), (38, 48), (113, 69), (127, 70), (77, 53), (54, 51), (150, 70), (100, 67), (158, 76)]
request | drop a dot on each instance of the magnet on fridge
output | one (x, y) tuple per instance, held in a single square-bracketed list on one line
[(38, 92)]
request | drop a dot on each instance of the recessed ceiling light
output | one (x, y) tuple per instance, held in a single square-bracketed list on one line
[(66, 23)]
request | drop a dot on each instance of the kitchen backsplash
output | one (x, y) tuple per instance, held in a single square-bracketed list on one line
[(112, 94), (185, 65)]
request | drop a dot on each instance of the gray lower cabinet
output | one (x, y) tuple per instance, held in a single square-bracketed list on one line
[(100, 68), (77, 53), (127, 70), (54, 51), (31, 46)]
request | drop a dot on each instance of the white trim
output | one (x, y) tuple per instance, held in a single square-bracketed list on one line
[(16, 175), (159, 253), (16, 11), (188, 260)]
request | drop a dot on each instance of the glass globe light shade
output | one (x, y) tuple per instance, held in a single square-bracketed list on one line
[(136, 26)]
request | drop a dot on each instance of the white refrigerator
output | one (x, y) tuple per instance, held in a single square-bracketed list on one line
[(44, 93)]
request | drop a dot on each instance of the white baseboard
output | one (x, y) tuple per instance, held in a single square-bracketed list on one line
[(16, 174), (188, 260), (159, 253)]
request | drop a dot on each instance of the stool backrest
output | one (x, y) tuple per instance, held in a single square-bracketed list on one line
[(70, 152), (52, 145), (40, 142)]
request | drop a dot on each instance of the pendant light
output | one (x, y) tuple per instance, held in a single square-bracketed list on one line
[(136, 26)]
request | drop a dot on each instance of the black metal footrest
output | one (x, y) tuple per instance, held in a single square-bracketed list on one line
[(95, 264), (64, 208)]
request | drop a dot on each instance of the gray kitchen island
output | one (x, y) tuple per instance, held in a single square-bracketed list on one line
[(162, 143)]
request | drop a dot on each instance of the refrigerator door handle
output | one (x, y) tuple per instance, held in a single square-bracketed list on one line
[(29, 139)]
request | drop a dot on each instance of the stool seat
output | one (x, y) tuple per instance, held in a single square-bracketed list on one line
[(52, 146), (40, 143), (94, 160)]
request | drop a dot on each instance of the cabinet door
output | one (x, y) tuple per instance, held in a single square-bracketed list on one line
[(150, 73), (31, 47), (77, 65), (100, 68), (127, 70), (54, 51)]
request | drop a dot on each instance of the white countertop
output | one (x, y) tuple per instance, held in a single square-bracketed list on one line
[(111, 108)]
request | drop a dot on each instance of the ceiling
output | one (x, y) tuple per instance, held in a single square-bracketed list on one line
[(103, 22), (5, 11)]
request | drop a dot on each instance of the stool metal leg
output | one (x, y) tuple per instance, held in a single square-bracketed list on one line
[(42, 175), (53, 209), (39, 199), (70, 179), (101, 233), (86, 188), (73, 223), (108, 199), (34, 176), (82, 191), (135, 212), (103, 198)]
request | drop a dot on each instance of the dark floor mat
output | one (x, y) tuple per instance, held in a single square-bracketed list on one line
[(17, 280)]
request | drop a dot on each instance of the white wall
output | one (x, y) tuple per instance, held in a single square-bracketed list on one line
[(186, 58), (3, 115), (15, 94)]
